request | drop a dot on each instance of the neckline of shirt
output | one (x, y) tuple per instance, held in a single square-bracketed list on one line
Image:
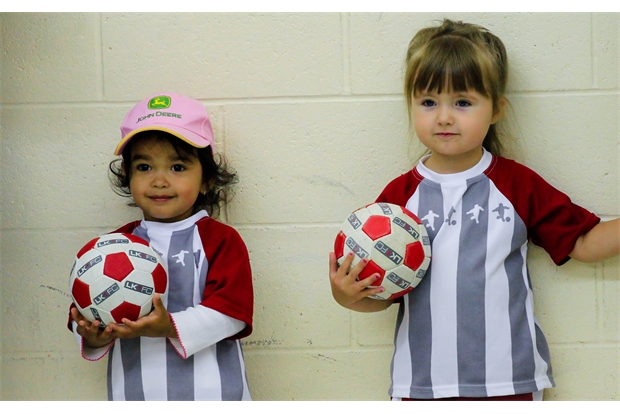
[(459, 177), (176, 226)]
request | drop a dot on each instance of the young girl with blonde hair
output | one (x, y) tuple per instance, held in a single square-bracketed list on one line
[(468, 330)]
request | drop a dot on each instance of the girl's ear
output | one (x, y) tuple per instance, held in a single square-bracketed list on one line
[(125, 174), (205, 187), (499, 109), (124, 169)]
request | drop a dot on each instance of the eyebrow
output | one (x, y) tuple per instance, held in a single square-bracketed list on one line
[(454, 95), (140, 157), (145, 157)]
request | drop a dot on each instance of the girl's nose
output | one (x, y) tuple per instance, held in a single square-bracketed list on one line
[(444, 116), (160, 181)]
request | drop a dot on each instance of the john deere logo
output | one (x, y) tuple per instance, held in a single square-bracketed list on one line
[(160, 102)]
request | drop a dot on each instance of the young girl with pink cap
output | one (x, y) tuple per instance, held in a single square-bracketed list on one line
[(187, 348)]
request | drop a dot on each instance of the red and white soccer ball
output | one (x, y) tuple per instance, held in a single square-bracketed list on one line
[(115, 276), (394, 241)]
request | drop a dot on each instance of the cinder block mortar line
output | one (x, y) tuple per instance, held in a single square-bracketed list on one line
[(245, 226), (248, 350), (396, 97), (36, 354), (593, 57), (99, 56), (268, 100), (317, 225), (346, 53), (238, 226), (285, 226), (599, 288), (584, 345), (564, 93), (97, 230)]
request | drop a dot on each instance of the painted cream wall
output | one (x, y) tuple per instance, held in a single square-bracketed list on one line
[(308, 108)]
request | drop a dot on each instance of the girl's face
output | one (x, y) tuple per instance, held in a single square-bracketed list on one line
[(453, 126), (163, 185)]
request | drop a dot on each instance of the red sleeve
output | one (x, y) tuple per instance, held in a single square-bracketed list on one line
[(228, 287), (400, 190), (553, 221), (127, 228)]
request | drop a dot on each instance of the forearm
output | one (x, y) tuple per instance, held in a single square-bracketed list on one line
[(200, 327), (600, 243)]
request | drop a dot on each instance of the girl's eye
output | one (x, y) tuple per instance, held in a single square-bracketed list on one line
[(427, 103), (462, 103), (143, 167), (178, 168)]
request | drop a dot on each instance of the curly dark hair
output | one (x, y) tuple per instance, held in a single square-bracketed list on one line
[(215, 172)]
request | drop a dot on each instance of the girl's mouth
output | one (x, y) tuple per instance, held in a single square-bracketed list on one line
[(445, 134), (160, 198)]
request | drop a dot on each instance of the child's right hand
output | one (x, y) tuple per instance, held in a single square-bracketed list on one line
[(350, 292), (93, 336)]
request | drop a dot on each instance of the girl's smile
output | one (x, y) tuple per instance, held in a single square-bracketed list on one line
[(160, 199)]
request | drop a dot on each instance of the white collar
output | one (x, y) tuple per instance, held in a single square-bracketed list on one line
[(459, 177), (175, 226)]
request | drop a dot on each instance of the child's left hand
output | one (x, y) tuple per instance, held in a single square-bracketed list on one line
[(156, 324)]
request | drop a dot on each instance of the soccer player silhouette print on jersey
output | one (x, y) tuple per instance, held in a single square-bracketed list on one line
[(500, 210), (475, 213), (181, 257)]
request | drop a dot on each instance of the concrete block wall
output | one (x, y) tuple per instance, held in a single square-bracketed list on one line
[(308, 108)]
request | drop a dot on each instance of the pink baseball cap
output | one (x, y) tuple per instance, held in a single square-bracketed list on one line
[(183, 117)]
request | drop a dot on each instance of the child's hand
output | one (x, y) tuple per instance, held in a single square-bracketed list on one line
[(93, 336), (156, 324), (350, 292)]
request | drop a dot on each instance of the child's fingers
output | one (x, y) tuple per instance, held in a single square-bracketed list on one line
[(76, 315), (85, 327), (333, 265), (83, 323), (342, 273), (367, 282), (357, 269), (105, 334), (372, 291), (158, 304), (88, 330), (364, 287), (127, 330), (345, 269)]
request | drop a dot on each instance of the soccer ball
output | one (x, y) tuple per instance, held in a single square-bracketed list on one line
[(394, 241), (115, 276)]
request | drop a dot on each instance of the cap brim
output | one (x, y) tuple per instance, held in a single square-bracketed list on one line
[(181, 133)]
